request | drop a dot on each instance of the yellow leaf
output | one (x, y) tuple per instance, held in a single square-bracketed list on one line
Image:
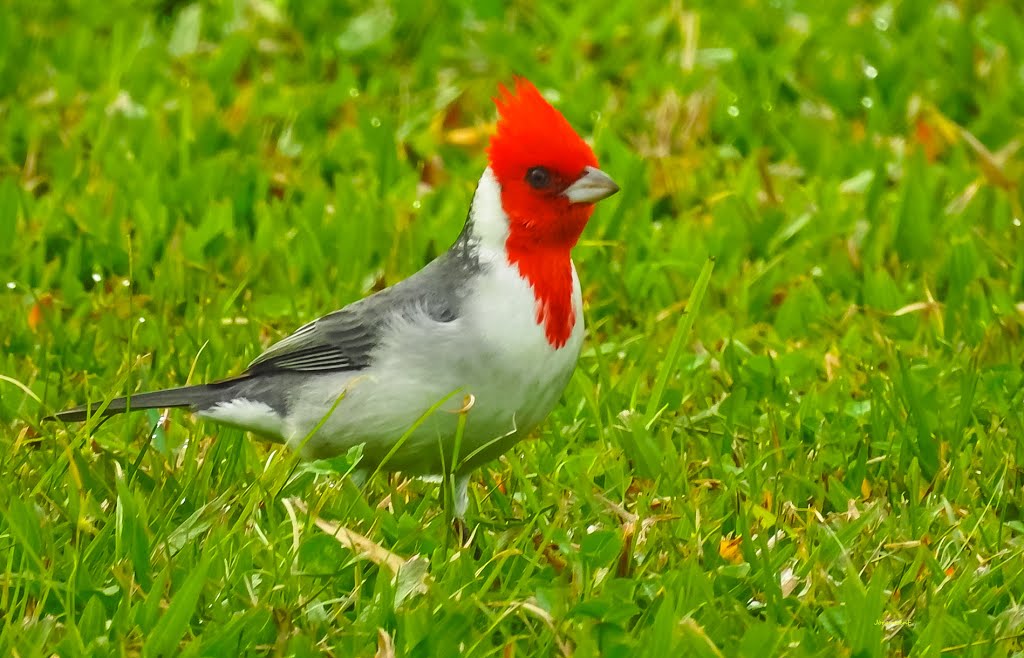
[(729, 549), (469, 136)]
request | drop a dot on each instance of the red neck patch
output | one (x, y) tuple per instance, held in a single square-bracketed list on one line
[(542, 230), (549, 272)]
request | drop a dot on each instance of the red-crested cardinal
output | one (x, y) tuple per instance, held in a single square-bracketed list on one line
[(491, 330)]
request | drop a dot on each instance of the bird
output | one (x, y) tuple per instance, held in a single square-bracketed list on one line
[(446, 370)]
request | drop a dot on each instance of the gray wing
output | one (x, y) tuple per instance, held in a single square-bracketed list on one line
[(345, 340), (342, 340)]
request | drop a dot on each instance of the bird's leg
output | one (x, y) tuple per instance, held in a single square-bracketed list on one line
[(461, 495), (460, 502), (460, 485)]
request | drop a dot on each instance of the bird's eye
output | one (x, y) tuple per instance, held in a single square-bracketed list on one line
[(538, 177)]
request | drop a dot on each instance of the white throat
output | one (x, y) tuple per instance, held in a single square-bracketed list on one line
[(489, 221)]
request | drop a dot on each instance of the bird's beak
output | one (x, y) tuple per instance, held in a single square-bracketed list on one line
[(591, 187)]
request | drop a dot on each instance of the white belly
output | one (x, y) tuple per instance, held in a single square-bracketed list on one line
[(494, 354)]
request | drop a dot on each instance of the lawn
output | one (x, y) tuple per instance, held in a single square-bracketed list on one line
[(796, 427)]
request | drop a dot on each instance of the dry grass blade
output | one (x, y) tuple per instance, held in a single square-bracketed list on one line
[(356, 542), (385, 645)]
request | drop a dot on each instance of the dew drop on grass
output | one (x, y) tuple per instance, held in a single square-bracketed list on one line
[(870, 72), (1016, 222), (375, 122), (125, 282), (733, 111), (96, 277), (867, 102), (12, 285), (142, 320), (416, 204), (353, 92), (881, 24)]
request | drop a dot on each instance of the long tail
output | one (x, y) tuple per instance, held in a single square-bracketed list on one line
[(195, 397)]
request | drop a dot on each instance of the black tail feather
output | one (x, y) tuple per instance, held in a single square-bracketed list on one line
[(185, 396)]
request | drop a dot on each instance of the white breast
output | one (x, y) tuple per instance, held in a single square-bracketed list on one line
[(519, 376)]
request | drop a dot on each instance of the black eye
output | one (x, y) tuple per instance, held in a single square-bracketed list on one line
[(538, 177)]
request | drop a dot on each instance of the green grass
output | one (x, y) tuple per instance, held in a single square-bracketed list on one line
[(825, 459)]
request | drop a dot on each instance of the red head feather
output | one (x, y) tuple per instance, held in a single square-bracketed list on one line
[(543, 225), (530, 133)]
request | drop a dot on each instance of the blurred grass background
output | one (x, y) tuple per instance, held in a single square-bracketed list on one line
[(834, 466)]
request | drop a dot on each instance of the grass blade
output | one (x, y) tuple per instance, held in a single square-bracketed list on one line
[(683, 329), (174, 623)]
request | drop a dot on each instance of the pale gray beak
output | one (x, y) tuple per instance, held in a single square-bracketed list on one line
[(591, 187)]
